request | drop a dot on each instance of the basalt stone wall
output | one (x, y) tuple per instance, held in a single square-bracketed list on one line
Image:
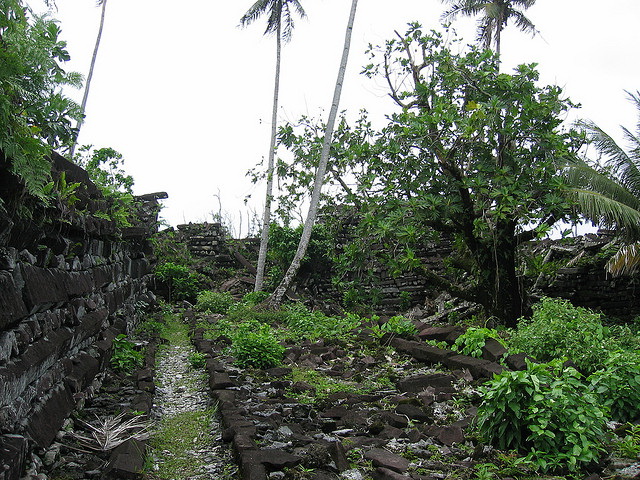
[(579, 275), (575, 271), (70, 282), (207, 241)]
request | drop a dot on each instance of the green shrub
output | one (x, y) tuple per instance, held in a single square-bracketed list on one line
[(302, 324), (473, 339), (400, 326), (183, 283), (629, 445), (214, 302), (545, 410), (254, 298), (618, 385), (558, 329), (125, 357), (255, 345), (197, 360)]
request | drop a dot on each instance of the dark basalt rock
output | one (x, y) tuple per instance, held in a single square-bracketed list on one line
[(385, 459)]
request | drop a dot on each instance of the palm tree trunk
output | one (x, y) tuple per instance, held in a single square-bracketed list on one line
[(266, 218), (83, 105), (276, 298)]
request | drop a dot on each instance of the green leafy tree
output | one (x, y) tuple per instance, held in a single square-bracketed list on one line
[(609, 193), (104, 166), (494, 17), (473, 155), (34, 114), (280, 23)]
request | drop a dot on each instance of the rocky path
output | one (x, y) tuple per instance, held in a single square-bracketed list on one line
[(187, 440)]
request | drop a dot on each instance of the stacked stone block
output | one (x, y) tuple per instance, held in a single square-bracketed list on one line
[(69, 283)]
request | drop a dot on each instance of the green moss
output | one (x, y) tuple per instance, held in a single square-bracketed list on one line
[(176, 439)]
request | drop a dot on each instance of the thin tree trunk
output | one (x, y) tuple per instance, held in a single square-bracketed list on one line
[(276, 298), (266, 218), (83, 105)]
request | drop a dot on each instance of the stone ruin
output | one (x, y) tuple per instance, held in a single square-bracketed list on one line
[(70, 282)]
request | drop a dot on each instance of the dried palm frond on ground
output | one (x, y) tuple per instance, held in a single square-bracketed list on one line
[(106, 434)]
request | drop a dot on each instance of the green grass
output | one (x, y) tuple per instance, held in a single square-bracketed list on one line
[(175, 331), (175, 440)]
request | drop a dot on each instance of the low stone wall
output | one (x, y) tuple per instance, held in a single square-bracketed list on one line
[(580, 276), (70, 282), (578, 273)]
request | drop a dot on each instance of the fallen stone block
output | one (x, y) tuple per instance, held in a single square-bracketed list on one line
[(127, 460), (419, 383), (385, 459), (220, 380)]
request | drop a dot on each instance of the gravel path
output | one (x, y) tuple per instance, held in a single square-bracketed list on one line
[(181, 389)]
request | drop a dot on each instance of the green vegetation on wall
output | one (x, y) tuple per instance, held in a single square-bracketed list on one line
[(36, 116)]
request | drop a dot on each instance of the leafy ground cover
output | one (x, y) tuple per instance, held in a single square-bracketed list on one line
[(353, 387)]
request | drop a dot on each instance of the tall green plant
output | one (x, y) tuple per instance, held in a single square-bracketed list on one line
[(34, 112), (471, 154), (104, 166)]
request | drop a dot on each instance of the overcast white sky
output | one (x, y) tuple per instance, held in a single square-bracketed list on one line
[(185, 95)]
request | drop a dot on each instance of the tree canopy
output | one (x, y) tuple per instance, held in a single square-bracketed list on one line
[(34, 112), (473, 154)]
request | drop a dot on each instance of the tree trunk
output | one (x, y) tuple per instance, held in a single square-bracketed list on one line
[(266, 218), (83, 105), (505, 296), (276, 298)]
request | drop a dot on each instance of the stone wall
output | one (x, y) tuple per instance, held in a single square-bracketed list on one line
[(578, 273), (206, 241), (70, 282)]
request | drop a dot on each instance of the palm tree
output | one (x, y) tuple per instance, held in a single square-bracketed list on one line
[(495, 14), (85, 96), (610, 195), (280, 23), (276, 298)]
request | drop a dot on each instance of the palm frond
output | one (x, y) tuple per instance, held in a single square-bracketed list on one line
[(279, 18), (623, 166), (583, 176), (607, 212), (255, 12), (523, 23), (110, 432), (625, 261)]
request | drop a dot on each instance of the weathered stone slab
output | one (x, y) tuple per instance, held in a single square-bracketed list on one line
[(385, 459), (441, 334), (493, 350), (13, 308), (386, 474), (419, 383), (413, 412), (47, 418), (13, 454), (43, 285), (478, 367), (220, 380), (127, 460), (421, 351)]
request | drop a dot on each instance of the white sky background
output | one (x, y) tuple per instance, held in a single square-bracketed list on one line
[(185, 95)]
